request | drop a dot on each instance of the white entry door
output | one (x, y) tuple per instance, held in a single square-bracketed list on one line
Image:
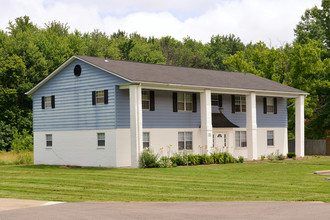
[(220, 140)]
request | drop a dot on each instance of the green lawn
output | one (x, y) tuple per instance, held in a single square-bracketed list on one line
[(277, 181)]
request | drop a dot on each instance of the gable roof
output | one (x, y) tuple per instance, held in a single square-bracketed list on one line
[(135, 72)]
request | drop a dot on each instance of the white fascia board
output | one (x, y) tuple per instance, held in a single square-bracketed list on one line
[(50, 76), (220, 90)]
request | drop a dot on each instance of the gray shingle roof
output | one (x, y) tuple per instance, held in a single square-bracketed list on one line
[(156, 73)]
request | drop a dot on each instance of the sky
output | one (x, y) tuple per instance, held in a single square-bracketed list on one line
[(270, 21)]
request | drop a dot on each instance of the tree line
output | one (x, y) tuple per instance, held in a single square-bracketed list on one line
[(29, 53)]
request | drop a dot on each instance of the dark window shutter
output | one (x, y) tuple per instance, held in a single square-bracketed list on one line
[(105, 96), (43, 102), (152, 100), (53, 101), (265, 105), (232, 103), (275, 105), (175, 102), (220, 100), (94, 98), (194, 97)]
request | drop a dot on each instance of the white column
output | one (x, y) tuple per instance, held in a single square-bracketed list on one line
[(300, 127), (251, 126), (135, 104), (206, 119)]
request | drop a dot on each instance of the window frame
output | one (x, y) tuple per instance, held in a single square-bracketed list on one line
[(49, 143), (146, 100), (48, 102), (100, 141), (183, 142), (99, 95), (185, 101), (270, 108), (214, 99), (240, 103), (146, 144), (272, 139), (239, 139)]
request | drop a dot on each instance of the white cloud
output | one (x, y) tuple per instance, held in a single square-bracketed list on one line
[(271, 21)]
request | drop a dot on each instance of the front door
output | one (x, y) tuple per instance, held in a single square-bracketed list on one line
[(220, 140)]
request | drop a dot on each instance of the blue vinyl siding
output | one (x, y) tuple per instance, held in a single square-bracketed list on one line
[(73, 100), (263, 120), (162, 117)]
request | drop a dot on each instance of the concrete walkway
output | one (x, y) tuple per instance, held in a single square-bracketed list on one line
[(172, 210)]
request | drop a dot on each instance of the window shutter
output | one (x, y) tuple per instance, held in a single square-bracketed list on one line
[(194, 99), (53, 101), (43, 102), (265, 105), (275, 105), (220, 100), (175, 102), (105, 96), (232, 103), (94, 98), (152, 100)]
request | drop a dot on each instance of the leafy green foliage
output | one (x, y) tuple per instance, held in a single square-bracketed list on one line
[(148, 159), (22, 141)]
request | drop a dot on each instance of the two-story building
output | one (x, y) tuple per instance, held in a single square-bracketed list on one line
[(96, 112)]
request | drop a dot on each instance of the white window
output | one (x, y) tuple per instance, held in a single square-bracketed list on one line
[(48, 102), (240, 138), (146, 140), (99, 97), (145, 100), (185, 140), (270, 105), (215, 99), (100, 139), (185, 102), (270, 138), (49, 140), (240, 104)]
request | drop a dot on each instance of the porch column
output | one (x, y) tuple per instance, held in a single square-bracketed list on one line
[(135, 104), (206, 119), (251, 126), (300, 127)]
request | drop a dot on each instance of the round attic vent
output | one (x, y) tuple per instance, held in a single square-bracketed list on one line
[(77, 70)]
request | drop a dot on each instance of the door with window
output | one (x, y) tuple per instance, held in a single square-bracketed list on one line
[(220, 140)]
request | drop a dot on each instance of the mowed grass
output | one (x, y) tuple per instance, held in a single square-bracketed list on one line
[(277, 181)]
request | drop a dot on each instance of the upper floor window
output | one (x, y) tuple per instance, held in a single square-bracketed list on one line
[(100, 97), (216, 100), (240, 103), (240, 138), (47, 102), (270, 105), (146, 100), (184, 102), (185, 141)]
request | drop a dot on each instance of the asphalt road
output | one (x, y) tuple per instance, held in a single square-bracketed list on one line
[(174, 210)]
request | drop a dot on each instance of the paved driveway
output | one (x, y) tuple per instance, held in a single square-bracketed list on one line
[(174, 210)]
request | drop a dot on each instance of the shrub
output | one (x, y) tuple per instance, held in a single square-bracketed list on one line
[(276, 156), (291, 155), (262, 157), (271, 156), (241, 159), (22, 141), (193, 159), (148, 159), (165, 162), (177, 159)]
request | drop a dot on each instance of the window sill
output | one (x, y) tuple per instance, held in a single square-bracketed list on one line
[(100, 148), (48, 147), (240, 148), (271, 147)]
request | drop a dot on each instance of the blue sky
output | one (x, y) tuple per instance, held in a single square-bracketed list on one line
[(271, 21)]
